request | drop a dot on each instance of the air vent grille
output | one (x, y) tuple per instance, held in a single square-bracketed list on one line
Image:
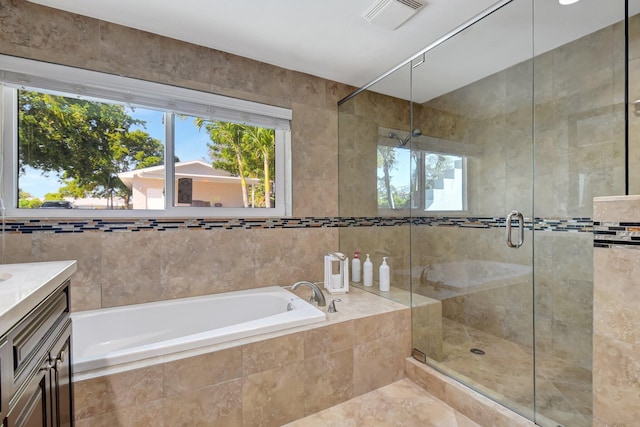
[(413, 4), (391, 14), (375, 9)]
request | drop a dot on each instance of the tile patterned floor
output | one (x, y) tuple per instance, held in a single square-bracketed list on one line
[(505, 371), (400, 404)]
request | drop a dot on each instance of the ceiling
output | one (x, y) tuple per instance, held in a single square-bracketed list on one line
[(330, 39), (326, 38)]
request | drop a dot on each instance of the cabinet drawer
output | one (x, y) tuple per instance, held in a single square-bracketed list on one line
[(32, 334)]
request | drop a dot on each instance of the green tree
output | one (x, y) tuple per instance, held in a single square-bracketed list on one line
[(244, 151), (386, 161), (87, 142), (26, 201), (260, 142)]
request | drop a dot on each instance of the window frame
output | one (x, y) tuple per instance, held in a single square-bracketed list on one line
[(17, 73), (425, 145)]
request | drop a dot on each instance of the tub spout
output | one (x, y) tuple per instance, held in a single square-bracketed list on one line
[(317, 296), (423, 274)]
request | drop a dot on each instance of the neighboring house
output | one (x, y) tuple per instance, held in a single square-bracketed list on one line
[(197, 182)]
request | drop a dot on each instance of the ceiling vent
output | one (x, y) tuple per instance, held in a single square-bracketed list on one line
[(390, 14)]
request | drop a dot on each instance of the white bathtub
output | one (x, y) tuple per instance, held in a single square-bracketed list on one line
[(114, 336), (454, 278), (474, 273)]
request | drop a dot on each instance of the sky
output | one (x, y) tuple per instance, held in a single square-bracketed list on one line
[(191, 144)]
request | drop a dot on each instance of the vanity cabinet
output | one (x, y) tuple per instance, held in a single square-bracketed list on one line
[(37, 381)]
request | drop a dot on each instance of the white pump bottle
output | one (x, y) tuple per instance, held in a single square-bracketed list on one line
[(367, 272), (385, 280), (355, 268)]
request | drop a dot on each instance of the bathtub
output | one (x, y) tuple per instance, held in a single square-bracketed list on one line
[(474, 273), (454, 278), (114, 336)]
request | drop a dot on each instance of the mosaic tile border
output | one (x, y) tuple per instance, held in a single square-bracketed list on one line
[(28, 226), (616, 234)]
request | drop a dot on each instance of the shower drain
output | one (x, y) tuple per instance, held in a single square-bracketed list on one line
[(477, 351)]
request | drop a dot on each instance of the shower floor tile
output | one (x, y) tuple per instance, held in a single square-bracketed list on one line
[(505, 372), (402, 404)]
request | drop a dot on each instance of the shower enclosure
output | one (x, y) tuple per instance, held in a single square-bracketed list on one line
[(472, 167)]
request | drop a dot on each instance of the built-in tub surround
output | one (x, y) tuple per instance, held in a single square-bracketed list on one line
[(112, 336), (616, 349), (267, 380)]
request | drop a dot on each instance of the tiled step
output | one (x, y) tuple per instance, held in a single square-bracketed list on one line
[(403, 403)]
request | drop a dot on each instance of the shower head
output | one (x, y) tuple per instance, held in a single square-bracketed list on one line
[(395, 135), (414, 133)]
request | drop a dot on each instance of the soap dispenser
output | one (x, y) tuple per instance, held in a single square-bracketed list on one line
[(355, 268), (367, 272), (384, 276)]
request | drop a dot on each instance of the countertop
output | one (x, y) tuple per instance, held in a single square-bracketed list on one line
[(24, 286)]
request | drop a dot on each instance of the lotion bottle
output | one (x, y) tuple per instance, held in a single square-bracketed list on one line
[(355, 268), (384, 276), (367, 272)]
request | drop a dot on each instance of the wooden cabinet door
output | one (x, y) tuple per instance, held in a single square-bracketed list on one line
[(61, 388), (34, 406)]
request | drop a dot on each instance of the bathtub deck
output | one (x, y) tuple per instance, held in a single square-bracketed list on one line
[(402, 403)]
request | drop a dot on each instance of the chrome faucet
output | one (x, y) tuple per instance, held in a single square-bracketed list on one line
[(317, 297), (423, 274)]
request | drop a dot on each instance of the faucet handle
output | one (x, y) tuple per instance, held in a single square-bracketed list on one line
[(332, 305)]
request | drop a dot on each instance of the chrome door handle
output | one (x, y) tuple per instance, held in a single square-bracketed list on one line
[(520, 218)]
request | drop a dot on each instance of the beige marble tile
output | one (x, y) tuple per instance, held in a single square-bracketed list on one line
[(144, 415), (285, 256), (425, 378), (314, 197), (119, 391), (274, 396), (309, 90), (617, 322), (17, 248), (48, 34), (616, 208), (328, 339), (479, 409), (85, 248), (218, 405), (336, 92), (186, 262), (616, 370), (329, 380), (272, 353), (161, 59), (401, 403), (130, 267), (85, 297), (380, 326), (201, 371), (379, 362)]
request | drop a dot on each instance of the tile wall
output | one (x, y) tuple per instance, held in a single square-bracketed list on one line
[(616, 349), (122, 268)]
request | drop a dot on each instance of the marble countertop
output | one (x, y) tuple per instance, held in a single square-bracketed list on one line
[(24, 286)]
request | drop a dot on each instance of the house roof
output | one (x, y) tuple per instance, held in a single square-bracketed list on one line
[(194, 169)]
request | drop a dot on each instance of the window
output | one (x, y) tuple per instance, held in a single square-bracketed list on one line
[(420, 179), (82, 141)]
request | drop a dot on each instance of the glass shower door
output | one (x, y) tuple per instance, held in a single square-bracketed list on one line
[(472, 282)]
